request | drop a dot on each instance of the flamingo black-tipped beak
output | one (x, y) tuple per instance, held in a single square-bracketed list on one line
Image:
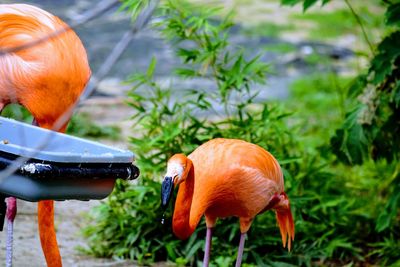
[(167, 187)]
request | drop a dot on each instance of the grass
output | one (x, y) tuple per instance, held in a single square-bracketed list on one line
[(281, 48), (82, 125), (269, 29), (318, 100), (330, 25), (326, 24)]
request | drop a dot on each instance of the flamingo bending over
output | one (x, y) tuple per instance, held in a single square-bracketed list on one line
[(222, 178), (47, 79)]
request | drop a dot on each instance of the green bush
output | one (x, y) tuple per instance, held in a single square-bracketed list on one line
[(80, 124), (17, 112), (336, 207)]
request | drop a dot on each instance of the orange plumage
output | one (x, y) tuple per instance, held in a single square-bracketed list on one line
[(228, 177), (46, 78)]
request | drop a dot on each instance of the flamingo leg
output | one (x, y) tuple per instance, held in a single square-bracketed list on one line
[(9, 243), (10, 214), (207, 247), (240, 250)]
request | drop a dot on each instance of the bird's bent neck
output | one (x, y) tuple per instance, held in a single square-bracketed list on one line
[(184, 223)]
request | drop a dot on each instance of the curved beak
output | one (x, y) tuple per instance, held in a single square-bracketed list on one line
[(167, 187)]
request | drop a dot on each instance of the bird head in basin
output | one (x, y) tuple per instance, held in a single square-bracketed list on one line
[(177, 170)]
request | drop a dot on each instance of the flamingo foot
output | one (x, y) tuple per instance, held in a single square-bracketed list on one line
[(10, 214), (240, 251)]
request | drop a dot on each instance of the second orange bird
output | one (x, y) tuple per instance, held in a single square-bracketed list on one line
[(222, 178)]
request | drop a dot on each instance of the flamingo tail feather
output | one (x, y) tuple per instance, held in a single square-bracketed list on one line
[(286, 225)]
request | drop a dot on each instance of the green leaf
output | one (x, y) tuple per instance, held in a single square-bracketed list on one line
[(150, 69), (390, 211), (357, 86), (307, 4), (185, 73), (392, 15), (188, 55), (382, 64), (357, 144), (290, 2), (396, 94), (197, 246), (350, 143)]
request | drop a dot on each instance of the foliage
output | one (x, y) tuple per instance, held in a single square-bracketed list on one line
[(321, 98), (306, 3), (280, 48), (343, 19), (80, 124), (17, 112), (336, 207), (134, 7), (269, 29), (370, 130)]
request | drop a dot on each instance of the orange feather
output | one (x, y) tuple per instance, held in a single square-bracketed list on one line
[(228, 177), (46, 78)]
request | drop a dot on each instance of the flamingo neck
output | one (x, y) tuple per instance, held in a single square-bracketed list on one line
[(183, 225)]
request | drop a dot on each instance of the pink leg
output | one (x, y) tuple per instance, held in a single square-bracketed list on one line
[(240, 251), (10, 214), (207, 248)]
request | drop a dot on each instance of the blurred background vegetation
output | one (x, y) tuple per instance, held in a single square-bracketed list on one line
[(336, 133)]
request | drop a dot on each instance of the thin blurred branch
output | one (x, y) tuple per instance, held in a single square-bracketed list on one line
[(359, 21), (140, 23), (100, 8)]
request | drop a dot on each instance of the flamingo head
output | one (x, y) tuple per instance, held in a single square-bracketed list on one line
[(177, 170)]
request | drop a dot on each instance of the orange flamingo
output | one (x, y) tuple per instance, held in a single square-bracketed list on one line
[(47, 79), (222, 178)]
